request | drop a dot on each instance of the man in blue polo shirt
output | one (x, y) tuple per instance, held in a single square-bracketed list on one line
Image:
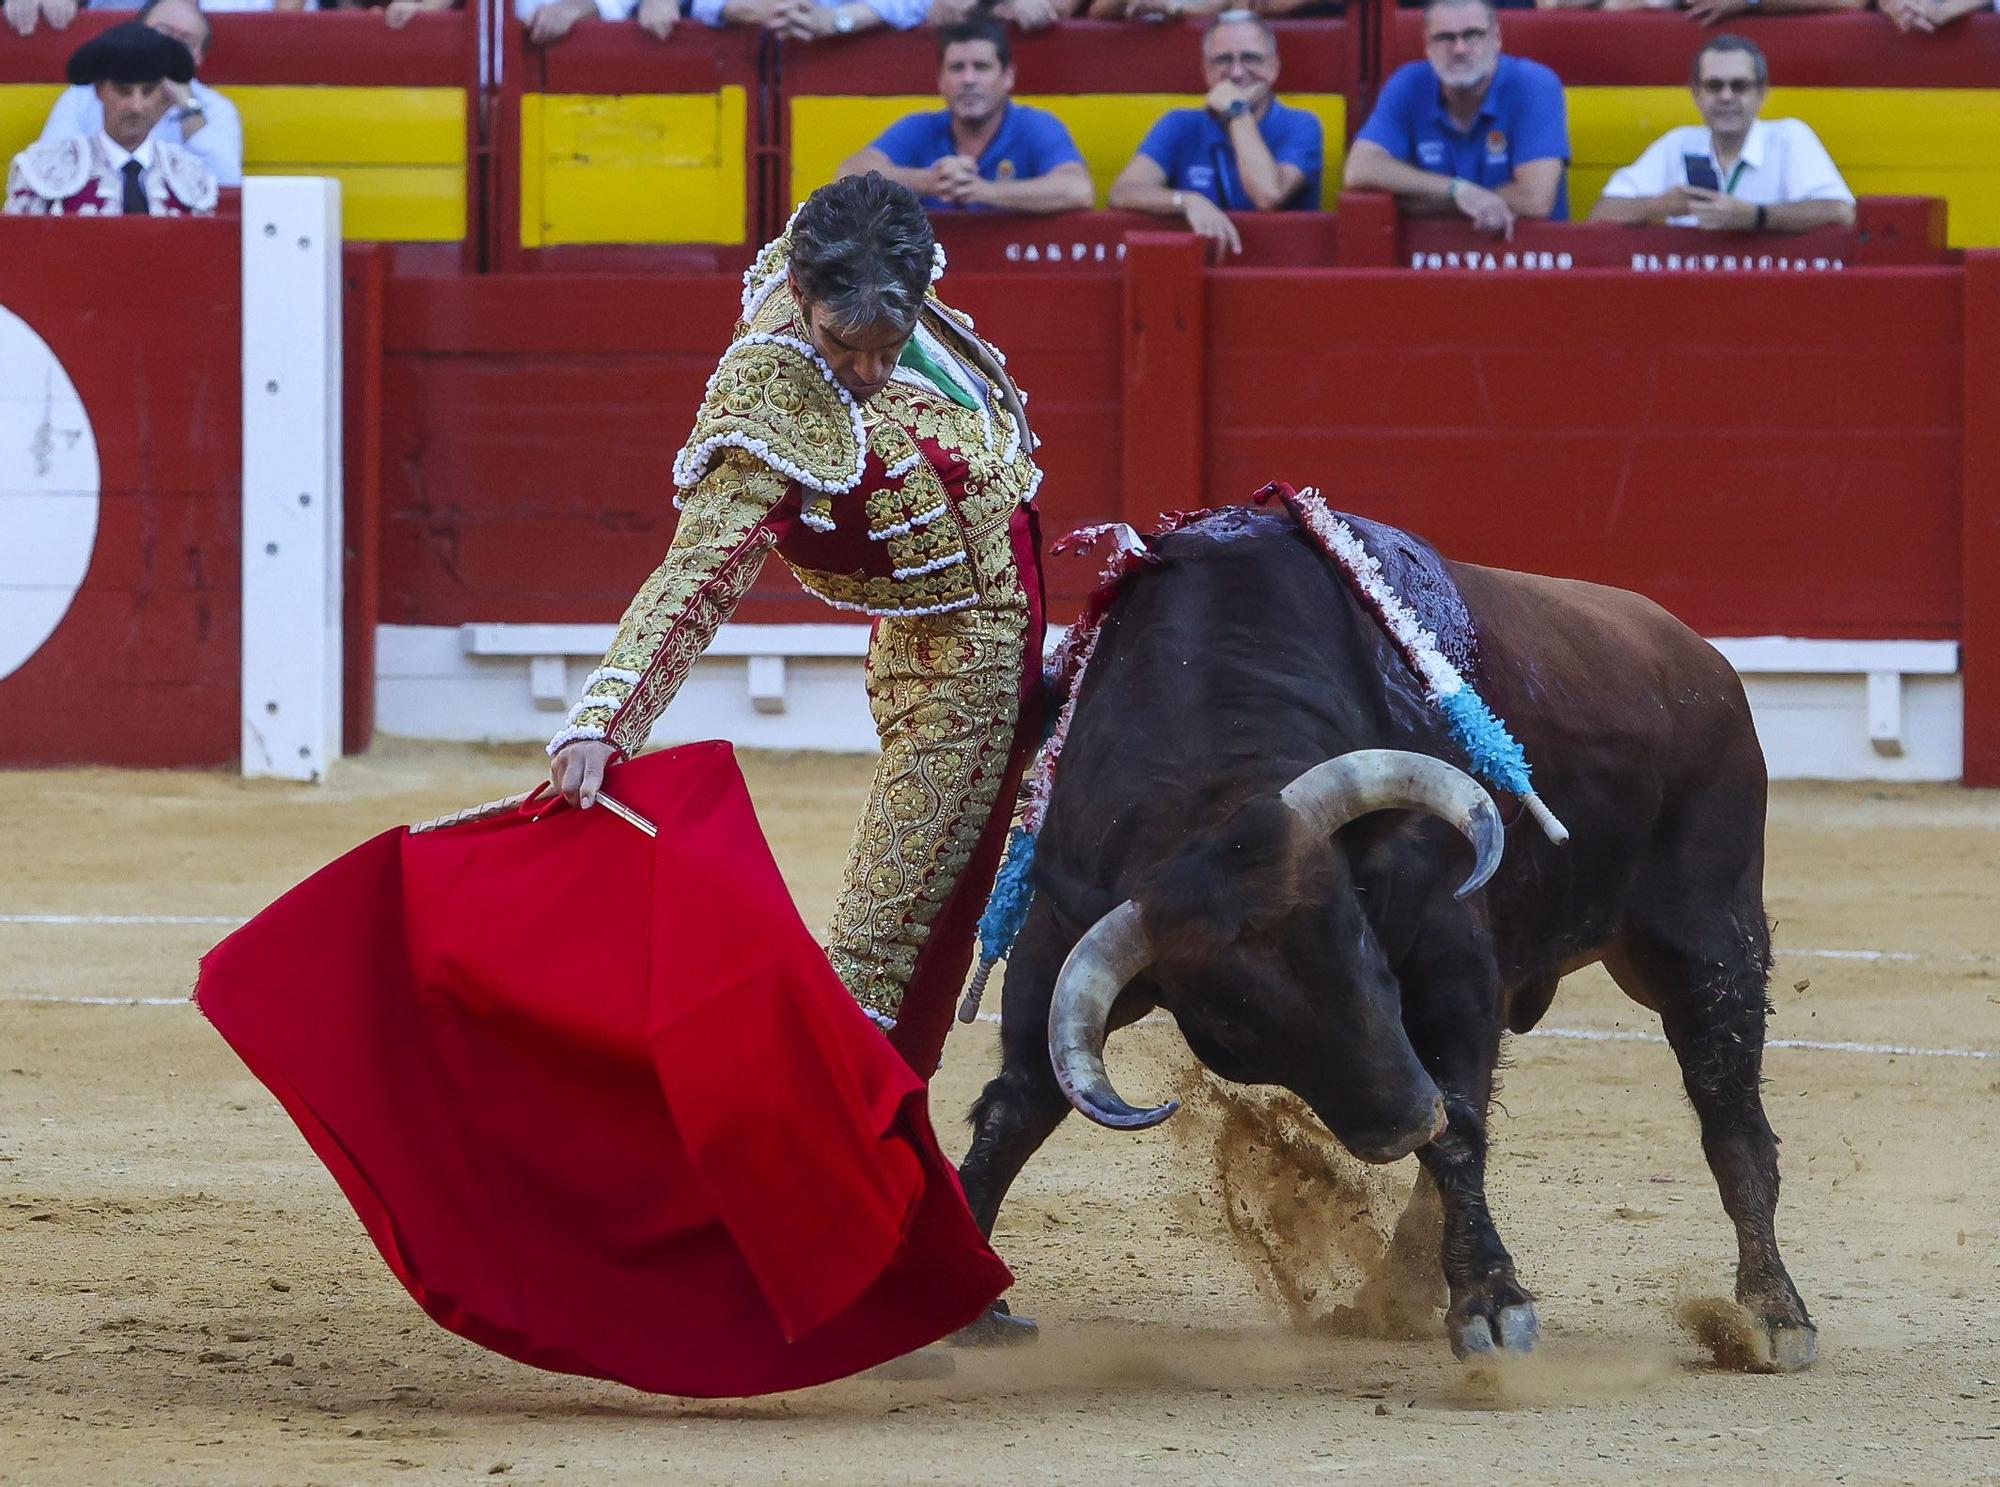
[(1242, 151), (983, 150), (1467, 130)]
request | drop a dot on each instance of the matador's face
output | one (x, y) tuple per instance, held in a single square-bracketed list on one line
[(862, 359)]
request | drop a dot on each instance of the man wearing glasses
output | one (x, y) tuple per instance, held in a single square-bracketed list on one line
[(1467, 130), (1243, 151), (1735, 172)]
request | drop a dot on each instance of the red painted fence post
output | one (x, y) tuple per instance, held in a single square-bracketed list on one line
[(1979, 464), (365, 269), (1166, 390)]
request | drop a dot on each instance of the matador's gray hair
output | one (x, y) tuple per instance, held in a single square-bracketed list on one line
[(861, 250)]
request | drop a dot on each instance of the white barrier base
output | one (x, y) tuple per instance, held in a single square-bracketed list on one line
[(1833, 717)]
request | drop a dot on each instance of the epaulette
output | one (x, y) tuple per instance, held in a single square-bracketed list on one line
[(774, 398), (55, 169), (187, 178)]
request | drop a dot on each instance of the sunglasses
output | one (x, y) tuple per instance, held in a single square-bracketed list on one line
[(1471, 36), (1227, 60), (1715, 87)]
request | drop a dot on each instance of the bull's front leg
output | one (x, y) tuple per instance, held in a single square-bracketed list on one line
[(1451, 1010), (1020, 1106)]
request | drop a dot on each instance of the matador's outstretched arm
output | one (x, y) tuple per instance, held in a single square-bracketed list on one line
[(718, 548)]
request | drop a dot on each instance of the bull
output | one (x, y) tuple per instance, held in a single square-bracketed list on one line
[(1256, 827)]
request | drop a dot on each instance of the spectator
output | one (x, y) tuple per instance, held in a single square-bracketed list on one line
[(23, 15), (1713, 12), (197, 116), (1932, 15), (1735, 172), (1174, 10), (122, 169), (1467, 130), (1241, 151), (982, 150), (246, 7), (1029, 15), (551, 20), (809, 20)]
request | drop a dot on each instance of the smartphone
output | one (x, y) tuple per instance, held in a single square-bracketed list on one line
[(1701, 172)]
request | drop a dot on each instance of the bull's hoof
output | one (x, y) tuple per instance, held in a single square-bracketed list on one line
[(1785, 1348), (1512, 1330), (997, 1327), (1746, 1338)]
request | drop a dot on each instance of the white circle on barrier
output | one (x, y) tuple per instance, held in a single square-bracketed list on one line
[(49, 487)]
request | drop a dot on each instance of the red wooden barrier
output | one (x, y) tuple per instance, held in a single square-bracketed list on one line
[(1761, 454), (143, 669), (1979, 659), (364, 283)]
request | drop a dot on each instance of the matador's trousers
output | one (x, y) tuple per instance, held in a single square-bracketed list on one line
[(956, 700)]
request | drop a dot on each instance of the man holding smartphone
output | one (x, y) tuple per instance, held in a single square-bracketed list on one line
[(1735, 172)]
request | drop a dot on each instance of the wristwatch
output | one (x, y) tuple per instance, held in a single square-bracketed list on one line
[(192, 108), (1237, 109), (843, 21)]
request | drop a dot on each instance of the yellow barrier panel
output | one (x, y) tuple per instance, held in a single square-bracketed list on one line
[(24, 108), (1887, 142), (634, 168), (399, 153), (1107, 128)]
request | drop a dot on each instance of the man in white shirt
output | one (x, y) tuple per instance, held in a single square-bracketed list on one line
[(196, 116), (1736, 172), (121, 169), (551, 20)]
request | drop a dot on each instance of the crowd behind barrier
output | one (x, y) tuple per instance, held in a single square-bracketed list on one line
[(469, 140)]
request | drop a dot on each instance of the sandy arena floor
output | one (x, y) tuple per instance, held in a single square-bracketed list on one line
[(185, 1297)]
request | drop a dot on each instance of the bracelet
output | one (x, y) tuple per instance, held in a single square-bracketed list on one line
[(1451, 191), (1763, 220), (1180, 202)]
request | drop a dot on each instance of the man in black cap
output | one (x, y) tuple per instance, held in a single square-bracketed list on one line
[(121, 170)]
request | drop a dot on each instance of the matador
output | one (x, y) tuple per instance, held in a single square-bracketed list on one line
[(886, 458)]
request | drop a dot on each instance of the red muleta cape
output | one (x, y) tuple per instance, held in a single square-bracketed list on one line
[(600, 1100)]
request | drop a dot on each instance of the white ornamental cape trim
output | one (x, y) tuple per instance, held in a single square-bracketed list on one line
[(881, 1019), (891, 614), (903, 466), (570, 736), (937, 261), (692, 463), (1034, 485), (611, 674), (904, 528), (584, 706), (931, 567), (817, 523), (754, 295)]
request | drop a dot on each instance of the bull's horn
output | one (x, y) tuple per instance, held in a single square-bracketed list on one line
[(1330, 795), (1103, 962)]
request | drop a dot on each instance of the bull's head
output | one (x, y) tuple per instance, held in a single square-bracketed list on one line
[(1383, 1105)]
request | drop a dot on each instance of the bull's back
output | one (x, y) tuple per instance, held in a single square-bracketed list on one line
[(1586, 661)]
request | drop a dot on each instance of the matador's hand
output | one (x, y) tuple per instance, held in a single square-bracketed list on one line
[(578, 770)]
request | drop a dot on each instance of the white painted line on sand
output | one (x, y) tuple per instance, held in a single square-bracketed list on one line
[(97, 1001), (1575, 1034), (1963, 960), (1619, 1035), (233, 921)]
